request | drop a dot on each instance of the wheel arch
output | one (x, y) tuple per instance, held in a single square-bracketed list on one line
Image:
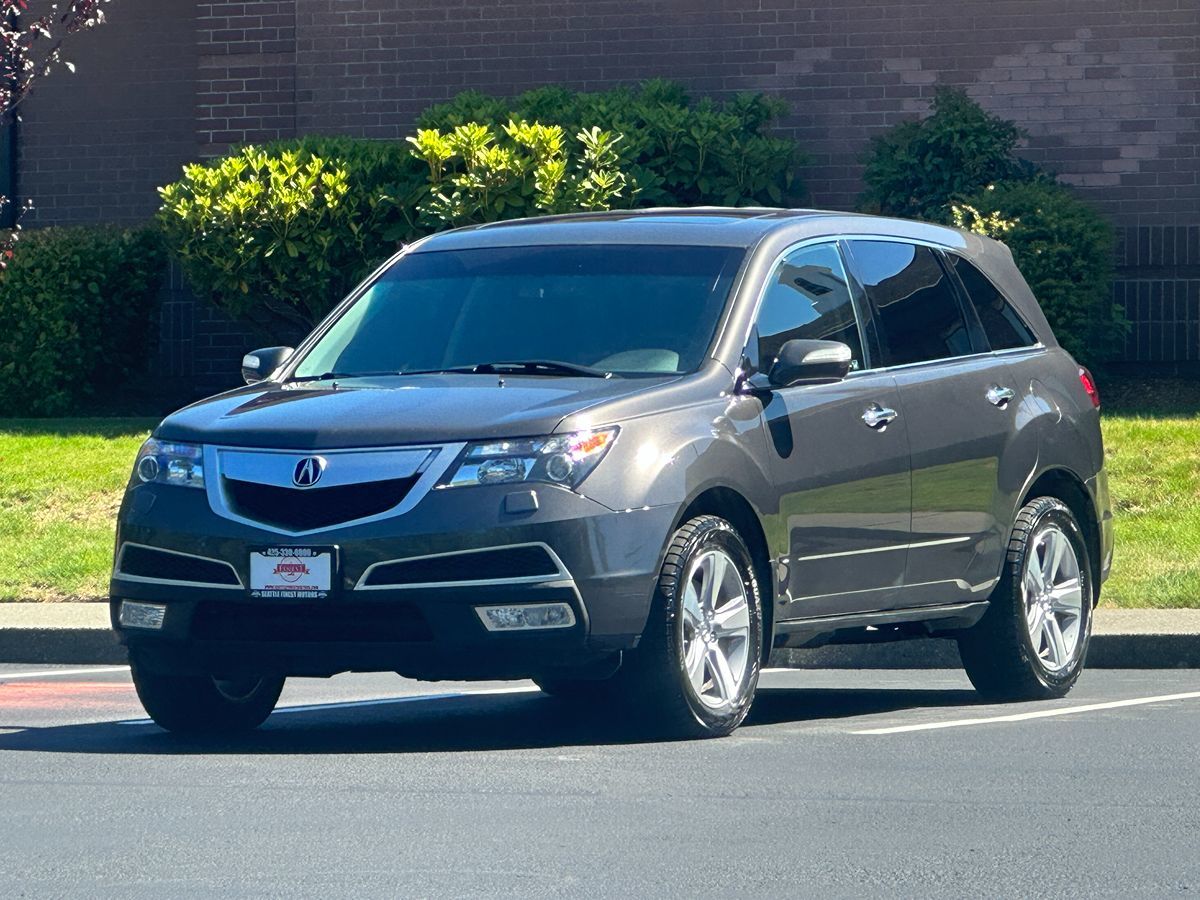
[(731, 505), (1065, 485)]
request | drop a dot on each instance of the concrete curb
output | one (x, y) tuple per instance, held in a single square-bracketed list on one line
[(1107, 651), (79, 634)]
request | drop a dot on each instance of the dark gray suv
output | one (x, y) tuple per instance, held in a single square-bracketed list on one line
[(625, 455)]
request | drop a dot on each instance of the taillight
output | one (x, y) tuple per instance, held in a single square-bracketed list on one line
[(1089, 386)]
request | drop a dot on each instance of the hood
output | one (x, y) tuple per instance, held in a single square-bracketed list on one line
[(379, 412)]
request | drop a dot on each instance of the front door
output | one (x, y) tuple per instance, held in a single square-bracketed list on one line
[(838, 452)]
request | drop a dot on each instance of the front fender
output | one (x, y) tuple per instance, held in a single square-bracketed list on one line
[(670, 458)]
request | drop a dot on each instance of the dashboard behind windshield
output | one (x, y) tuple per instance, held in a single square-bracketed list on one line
[(625, 309)]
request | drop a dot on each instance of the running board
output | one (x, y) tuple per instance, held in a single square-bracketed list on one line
[(875, 627)]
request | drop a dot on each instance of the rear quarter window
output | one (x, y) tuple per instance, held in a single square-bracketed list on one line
[(1003, 325)]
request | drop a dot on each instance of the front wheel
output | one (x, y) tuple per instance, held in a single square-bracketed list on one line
[(696, 669), (203, 704), (1032, 642)]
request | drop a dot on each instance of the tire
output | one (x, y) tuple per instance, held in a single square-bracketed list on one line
[(202, 704), (1011, 653), (657, 683)]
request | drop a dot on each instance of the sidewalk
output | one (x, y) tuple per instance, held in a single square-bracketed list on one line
[(78, 634)]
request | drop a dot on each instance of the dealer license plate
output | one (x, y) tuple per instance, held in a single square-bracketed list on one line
[(292, 572)]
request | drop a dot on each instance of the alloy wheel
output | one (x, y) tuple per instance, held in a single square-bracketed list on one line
[(1053, 592), (716, 630)]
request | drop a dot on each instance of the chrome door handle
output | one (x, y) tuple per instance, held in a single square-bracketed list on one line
[(877, 416), (999, 396)]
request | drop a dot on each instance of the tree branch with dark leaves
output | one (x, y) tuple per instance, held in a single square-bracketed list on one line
[(32, 35)]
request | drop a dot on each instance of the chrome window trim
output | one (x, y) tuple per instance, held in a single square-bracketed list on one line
[(145, 579), (562, 578), (828, 239), (441, 458), (952, 360), (851, 236)]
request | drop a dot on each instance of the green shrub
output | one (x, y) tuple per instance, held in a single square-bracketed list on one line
[(674, 152), (959, 166), (278, 234), (917, 169), (477, 176), (76, 315), (1064, 248)]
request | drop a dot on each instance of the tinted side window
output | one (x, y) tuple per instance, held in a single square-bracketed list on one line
[(808, 298), (919, 313), (1003, 326)]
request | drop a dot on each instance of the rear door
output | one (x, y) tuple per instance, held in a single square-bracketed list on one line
[(958, 402), (843, 484)]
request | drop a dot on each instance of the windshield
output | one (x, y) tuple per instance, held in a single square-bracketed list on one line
[(625, 309)]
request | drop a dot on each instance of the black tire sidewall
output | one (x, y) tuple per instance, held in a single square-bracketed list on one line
[(193, 704)]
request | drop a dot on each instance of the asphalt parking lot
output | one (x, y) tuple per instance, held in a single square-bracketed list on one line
[(843, 783)]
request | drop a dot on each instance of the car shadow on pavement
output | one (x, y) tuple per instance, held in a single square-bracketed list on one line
[(457, 724)]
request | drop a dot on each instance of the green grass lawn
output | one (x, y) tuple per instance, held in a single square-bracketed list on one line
[(1152, 444), (61, 483), (60, 486)]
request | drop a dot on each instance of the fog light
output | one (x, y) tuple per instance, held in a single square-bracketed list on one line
[(526, 616), (141, 615)]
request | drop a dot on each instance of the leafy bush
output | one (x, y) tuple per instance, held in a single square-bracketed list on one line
[(959, 166), (674, 151), (476, 177), (276, 235), (917, 169), (272, 235), (1064, 248), (76, 309)]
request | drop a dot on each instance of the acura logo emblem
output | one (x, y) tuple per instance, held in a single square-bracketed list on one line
[(308, 471)]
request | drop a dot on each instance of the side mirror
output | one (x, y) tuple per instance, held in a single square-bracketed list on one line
[(806, 362), (259, 364)]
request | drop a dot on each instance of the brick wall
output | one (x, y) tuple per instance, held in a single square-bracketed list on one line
[(93, 146), (1108, 90), (246, 77)]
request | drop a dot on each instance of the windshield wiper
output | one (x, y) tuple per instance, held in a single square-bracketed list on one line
[(333, 376), (524, 366), (533, 367)]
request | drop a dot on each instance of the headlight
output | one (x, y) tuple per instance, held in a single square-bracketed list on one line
[(564, 459), (168, 463)]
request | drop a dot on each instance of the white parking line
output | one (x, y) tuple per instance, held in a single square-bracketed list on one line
[(1039, 714), (380, 701), (48, 673)]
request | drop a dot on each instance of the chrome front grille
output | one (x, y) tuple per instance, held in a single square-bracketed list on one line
[(303, 491)]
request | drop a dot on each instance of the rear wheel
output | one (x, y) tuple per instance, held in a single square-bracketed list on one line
[(203, 704), (696, 669), (1032, 643)]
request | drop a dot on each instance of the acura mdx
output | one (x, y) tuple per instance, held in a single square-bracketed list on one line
[(626, 455)]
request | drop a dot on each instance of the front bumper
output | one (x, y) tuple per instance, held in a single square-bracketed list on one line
[(609, 566)]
